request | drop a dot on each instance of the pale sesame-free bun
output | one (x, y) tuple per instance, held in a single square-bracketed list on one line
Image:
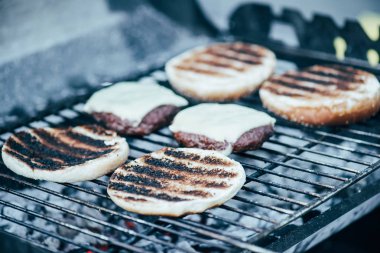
[(175, 182), (220, 72), (65, 154), (323, 95)]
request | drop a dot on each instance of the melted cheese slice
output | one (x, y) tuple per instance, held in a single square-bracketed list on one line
[(132, 101), (221, 122)]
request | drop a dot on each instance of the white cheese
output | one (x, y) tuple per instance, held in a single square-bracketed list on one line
[(132, 101), (221, 122)]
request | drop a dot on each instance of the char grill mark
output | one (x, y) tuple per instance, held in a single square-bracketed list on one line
[(322, 80), (153, 172), (178, 166), (53, 142), (234, 57), (336, 76), (339, 72), (196, 158), (86, 140), (132, 189), (210, 184), (201, 71), (26, 160), (42, 150), (215, 63), (295, 85), (28, 146), (130, 198), (196, 193), (345, 70), (165, 179), (316, 80), (291, 93), (140, 180)]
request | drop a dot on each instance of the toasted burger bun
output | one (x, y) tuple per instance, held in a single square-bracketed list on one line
[(65, 154), (223, 127), (175, 182), (323, 95), (134, 108), (220, 72)]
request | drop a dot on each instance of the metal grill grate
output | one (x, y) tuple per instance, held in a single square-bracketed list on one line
[(296, 171)]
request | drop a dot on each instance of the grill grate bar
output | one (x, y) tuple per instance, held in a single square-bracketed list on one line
[(73, 227), (276, 162), (340, 137), (208, 228), (92, 219), (236, 198), (275, 142), (312, 161), (205, 227), (217, 217), (205, 213), (360, 132), (271, 195), (289, 188), (112, 212), (243, 212), (262, 193), (200, 232), (319, 173), (345, 148), (273, 208), (320, 153), (306, 181), (264, 218), (327, 196), (223, 238)]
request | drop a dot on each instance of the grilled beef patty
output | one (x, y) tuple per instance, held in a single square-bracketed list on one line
[(250, 140), (155, 119)]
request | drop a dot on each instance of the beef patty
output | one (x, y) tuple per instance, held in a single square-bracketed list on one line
[(155, 119), (250, 140)]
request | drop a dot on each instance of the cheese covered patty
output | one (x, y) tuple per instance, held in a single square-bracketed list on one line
[(219, 72), (174, 182), (223, 123), (134, 108), (323, 95)]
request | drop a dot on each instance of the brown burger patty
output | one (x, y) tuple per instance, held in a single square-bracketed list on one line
[(250, 140), (155, 119)]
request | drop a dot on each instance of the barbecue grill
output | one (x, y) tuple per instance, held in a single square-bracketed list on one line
[(303, 185)]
